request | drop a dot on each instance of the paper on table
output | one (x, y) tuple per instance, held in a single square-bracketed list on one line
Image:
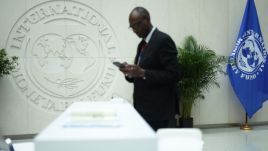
[(100, 118)]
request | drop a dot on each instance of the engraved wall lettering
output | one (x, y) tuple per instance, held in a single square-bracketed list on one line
[(63, 62)]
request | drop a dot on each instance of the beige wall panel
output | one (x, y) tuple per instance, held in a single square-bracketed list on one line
[(184, 19), (79, 67), (13, 111), (8, 16), (213, 31)]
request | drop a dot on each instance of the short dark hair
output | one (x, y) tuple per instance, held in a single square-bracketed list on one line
[(142, 11)]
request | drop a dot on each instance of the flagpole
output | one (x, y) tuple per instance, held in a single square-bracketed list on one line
[(246, 126)]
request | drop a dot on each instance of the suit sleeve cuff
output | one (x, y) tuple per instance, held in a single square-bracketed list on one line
[(144, 75)]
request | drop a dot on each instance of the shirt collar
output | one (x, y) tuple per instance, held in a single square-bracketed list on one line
[(149, 36)]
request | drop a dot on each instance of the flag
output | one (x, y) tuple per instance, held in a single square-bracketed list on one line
[(247, 67)]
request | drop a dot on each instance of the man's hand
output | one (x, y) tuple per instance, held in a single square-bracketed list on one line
[(132, 70)]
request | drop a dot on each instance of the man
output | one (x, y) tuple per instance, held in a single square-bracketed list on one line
[(155, 72)]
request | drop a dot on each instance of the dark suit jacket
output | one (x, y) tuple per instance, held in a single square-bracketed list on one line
[(155, 97)]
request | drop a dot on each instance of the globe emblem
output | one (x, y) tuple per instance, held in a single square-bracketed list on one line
[(62, 63), (249, 56), (65, 50)]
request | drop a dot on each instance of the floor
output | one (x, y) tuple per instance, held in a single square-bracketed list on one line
[(216, 139), (233, 139)]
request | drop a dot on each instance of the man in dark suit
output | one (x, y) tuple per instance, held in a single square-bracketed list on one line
[(155, 72)]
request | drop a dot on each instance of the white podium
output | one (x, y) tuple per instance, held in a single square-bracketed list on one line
[(97, 126)]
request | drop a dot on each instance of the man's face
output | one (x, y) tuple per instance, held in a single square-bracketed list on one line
[(136, 23)]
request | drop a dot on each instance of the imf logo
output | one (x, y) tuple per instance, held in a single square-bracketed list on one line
[(251, 56), (65, 50)]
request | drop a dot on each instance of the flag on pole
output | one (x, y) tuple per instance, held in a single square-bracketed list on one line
[(247, 68)]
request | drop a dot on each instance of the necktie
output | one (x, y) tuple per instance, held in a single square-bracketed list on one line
[(143, 45)]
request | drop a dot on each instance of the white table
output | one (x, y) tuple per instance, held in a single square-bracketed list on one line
[(98, 126)]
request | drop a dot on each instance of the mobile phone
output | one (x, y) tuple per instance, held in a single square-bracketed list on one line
[(118, 64)]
